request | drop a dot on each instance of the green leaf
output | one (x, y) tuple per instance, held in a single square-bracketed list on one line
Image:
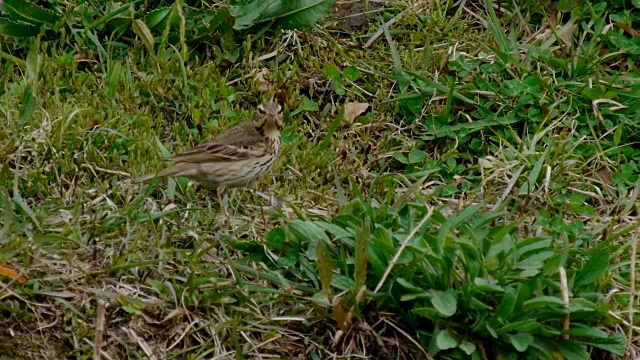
[(305, 105), (573, 350), (468, 347), (445, 341), (7, 213), (529, 325), (28, 103), (325, 268), (408, 285), (587, 332), (400, 157), (593, 269), (544, 301), (155, 18), (351, 73), (416, 156), (28, 12), (165, 153), (528, 186), (445, 302), (230, 49), (336, 79), (521, 341), (615, 344), (507, 305), (307, 231), (143, 32), (427, 313), (285, 14), (363, 238), (535, 261), (17, 28), (276, 238)]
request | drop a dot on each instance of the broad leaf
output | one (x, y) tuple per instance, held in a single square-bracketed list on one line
[(445, 302), (286, 14)]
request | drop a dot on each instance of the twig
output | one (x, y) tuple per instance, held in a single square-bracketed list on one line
[(401, 249), (97, 343), (634, 243), (564, 289), (380, 31)]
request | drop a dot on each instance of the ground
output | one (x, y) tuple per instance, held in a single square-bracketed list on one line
[(453, 178)]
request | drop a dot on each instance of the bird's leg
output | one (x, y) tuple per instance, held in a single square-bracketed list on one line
[(221, 193)]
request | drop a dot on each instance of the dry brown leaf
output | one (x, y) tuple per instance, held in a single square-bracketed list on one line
[(262, 79), (80, 57), (354, 109), (567, 36), (605, 175), (12, 274)]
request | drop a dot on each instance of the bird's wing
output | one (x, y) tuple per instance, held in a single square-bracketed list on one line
[(236, 144)]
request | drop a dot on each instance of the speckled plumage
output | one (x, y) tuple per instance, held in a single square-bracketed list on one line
[(234, 158)]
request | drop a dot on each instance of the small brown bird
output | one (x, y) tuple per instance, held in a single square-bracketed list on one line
[(236, 157)]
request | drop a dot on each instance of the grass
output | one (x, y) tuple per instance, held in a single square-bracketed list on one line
[(484, 205)]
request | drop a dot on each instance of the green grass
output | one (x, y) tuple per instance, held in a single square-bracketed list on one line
[(494, 172)]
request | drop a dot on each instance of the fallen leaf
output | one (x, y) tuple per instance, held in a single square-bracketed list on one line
[(263, 82), (605, 175), (353, 109), (80, 57), (12, 274)]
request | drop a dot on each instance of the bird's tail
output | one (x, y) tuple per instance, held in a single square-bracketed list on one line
[(147, 177), (170, 171)]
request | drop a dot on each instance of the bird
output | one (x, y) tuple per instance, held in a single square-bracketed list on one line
[(234, 158)]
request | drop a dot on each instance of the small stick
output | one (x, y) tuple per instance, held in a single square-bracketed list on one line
[(401, 249), (564, 289), (97, 343)]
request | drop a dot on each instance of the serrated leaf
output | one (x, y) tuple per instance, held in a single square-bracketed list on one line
[(325, 268), (29, 12), (157, 17), (143, 32), (363, 237), (445, 302), (445, 341), (17, 28)]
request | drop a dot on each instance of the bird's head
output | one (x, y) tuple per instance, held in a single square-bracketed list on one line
[(269, 118)]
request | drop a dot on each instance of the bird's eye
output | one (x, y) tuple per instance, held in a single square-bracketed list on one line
[(261, 110)]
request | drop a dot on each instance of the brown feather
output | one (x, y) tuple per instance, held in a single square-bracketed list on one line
[(234, 158)]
